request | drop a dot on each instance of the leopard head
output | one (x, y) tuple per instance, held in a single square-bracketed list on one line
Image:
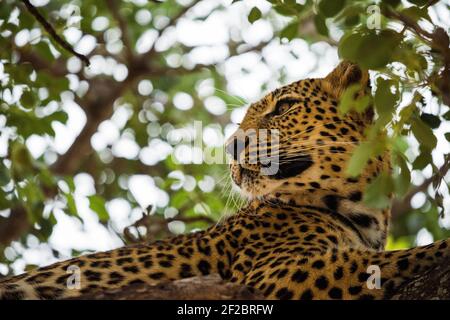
[(306, 145)]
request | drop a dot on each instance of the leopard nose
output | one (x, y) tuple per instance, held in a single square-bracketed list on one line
[(235, 147)]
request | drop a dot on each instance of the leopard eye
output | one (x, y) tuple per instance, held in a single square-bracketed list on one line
[(283, 106)]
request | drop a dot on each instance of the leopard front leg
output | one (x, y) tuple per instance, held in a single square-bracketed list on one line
[(200, 253), (344, 273)]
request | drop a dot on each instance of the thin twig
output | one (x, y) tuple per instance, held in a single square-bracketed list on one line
[(408, 23), (51, 31), (401, 206)]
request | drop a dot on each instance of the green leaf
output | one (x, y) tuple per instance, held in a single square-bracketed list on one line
[(22, 161), (415, 13), (254, 15), (71, 205), (403, 179), (362, 154), (46, 178), (59, 116), (423, 133), (28, 99), (330, 8), (71, 183), (5, 203), (371, 50), (447, 136), (407, 112), (415, 62), (5, 174), (180, 199), (359, 159), (44, 50), (422, 160), (400, 144), (321, 26), (446, 116), (349, 45), (97, 204), (376, 194), (385, 100), (352, 20), (419, 2), (27, 123), (362, 103), (430, 119), (290, 31), (347, 101), (393, 3)]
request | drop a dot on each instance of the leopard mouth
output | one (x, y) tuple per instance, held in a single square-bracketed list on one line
[(244, 176), (293, 167), (283, 170), (252, 183)]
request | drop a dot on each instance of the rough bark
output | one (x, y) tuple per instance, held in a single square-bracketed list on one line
[(210, 287), (431, 285)]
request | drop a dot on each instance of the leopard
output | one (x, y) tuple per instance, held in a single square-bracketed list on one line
[(306, 231)]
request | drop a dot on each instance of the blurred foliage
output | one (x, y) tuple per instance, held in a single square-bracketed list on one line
[(398, 41)]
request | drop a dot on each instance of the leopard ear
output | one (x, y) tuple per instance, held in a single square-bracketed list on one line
[(343, 76)]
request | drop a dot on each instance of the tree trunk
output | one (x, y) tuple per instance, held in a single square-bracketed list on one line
[(210, 287), (430, 285)]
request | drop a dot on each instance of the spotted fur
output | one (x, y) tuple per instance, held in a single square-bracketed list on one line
[(305, 234)]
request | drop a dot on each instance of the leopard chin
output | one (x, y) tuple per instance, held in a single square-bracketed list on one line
[(257, 184), (253, 184)]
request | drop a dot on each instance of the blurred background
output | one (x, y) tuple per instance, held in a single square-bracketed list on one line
[(95, 157)]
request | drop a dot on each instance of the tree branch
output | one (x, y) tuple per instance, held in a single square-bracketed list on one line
[(114, 9), (210, 287), (428, 285), (57, 68), (408, 22), (433, 284), (13, 227), (438, 40), (51, 31)]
